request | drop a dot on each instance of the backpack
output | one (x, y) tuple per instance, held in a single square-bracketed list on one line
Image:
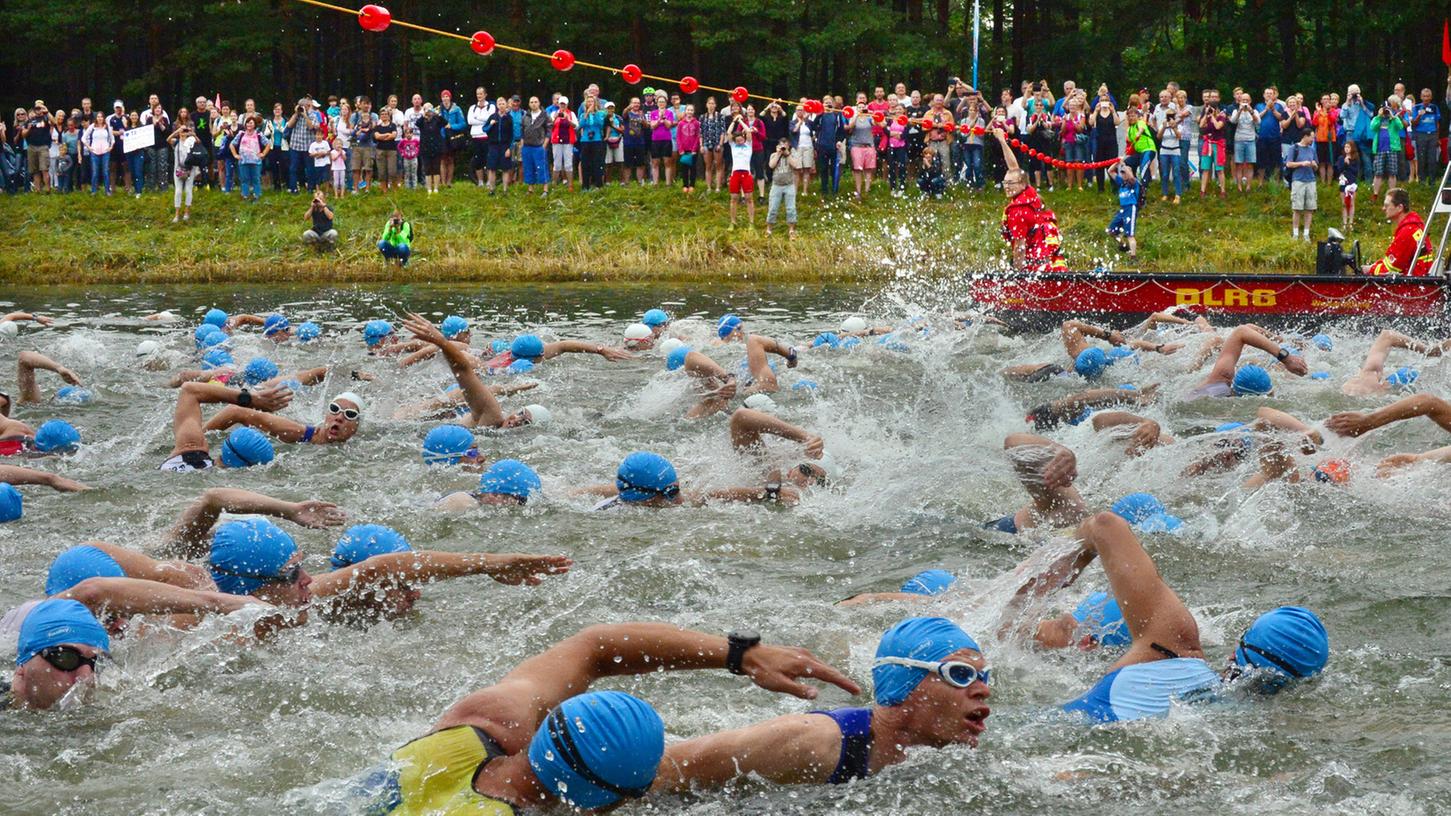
[(196, 157)]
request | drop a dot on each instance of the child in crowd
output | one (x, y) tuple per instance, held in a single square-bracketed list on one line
[(320, 151), (339, 168), (408, 151), (1125, 222), (742, 183), (1348, 172)]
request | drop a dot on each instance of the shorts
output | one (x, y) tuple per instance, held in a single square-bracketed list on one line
[(1387, 164), (1323, 151), (363, 158), (1244, 152), (37, 159), (1303, 196), (430, 165), (660, 149), (1267, 154), (742, 183), (498, 158), (863, 157), (635, 155), (188, 462), (805, 156), (1211, 155), (1075, 152), (614, 153), (563, 158), (1124, 222)]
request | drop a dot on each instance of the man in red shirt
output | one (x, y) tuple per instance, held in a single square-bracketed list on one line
[(1409, 252), (1028, 225)]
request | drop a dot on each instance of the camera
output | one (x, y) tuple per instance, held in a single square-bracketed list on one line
[(1332, 259)]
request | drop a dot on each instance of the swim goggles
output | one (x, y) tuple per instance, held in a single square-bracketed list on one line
[(287, 576), (670, 492), (350, 414), (66, 658), (954, 673), (1277, 661)]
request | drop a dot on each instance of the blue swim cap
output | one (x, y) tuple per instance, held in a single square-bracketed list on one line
[(1146, 514), (259, 370), (1100, 612), (655, 317), (520, 367), (1117, 353), (929, 582), (452, 326), (510, 477), (201, 333), (12, 506), (375, 331), (1228, 426), (57, 436), (1253, 380), (55, 622), (918, 639), (1289, 640), (308, 331), (215, 317), (216, 358), (73, 395), (447, 445), (77, 564), (245, 447), (1320, 375), (642, 476), (1090, 363), (247, 553), (805, 385), (213, 337), (363, 541), (676, 358), (597, 748), (1404, 377), (727, 326), (526, 347), (1322, 342), (851, 342), (499, 346), (828, 339), (275, 323)]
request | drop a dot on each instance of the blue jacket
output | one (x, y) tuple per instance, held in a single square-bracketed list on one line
[(455, 118), (1359, 129), (830, 129)]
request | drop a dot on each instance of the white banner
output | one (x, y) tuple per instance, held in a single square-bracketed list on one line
[(137, 138)]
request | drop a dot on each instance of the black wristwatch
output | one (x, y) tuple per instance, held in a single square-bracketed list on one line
[(244, 398), (740, 642), (1282, 354)]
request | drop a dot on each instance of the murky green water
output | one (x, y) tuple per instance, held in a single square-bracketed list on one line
[(186, 725)]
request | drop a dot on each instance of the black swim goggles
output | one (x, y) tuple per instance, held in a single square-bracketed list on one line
[(287, 576), (1274, 659), (954, 673), (810, 472), (66, 658), (350, 414), (672, 492)]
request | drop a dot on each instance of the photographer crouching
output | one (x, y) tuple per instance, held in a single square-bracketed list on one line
[(321, 235), (397, 240)]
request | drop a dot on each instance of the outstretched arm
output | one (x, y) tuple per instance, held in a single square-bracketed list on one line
[(559, 347), (482, 405), (20, 317), (1146, 432), (1073, 332), (432, 565), (1009, 159), (285, 429), (189, 536), (16, 475), (748, 425), (1242, 336), (137, 564), (794, 749), (25, 366), (186, 423), (133, 596), (1356, 423)]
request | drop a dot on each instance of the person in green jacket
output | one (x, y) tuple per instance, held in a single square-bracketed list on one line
[(1385, 139), (397, 240), (1141, 136)]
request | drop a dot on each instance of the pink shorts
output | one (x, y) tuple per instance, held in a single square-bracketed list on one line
[(863, 158)]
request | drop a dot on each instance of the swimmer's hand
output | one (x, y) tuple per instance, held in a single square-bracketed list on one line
[(1147, 394), (726, 391), (317, 514), (781, 668), (1297, 365), (1170, 348), (423, 330), (68, 375), (814, 446), (1061, 470), (515, 568), (1144, 437), (615, 355), (1115, 338), (271, 399), (1347, 423), (65, 485), (1394, 462)]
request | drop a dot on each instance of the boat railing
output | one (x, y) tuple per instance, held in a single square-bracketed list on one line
[(1441, 207)]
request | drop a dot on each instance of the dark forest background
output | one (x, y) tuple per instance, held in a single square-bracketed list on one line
[(276, 49)]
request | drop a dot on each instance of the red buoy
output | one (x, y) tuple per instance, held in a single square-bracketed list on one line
[(740, 94), (879, 117), (562, 60), (903, 120), (632, 74), (374, 18), (689, 84), (849, 112), (482, 42)]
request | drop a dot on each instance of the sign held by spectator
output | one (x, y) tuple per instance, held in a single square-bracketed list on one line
[(137, 138)]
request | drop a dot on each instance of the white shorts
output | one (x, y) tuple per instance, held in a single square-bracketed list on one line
[(188, 462), (564, 157), (615, 153)]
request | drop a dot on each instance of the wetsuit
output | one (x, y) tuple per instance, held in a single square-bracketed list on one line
[(856, 743), (435, 775), (1147, 689)]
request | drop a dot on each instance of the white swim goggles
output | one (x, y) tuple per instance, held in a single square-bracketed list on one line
[(954, 673)]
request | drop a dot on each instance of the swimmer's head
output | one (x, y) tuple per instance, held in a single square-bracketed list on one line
[(217, 358), (1251, 380), (245, 447), (77, 564), (853, 325), (533, 414), (9, 328), (74, 395), (378, 333), (208, 336), (455, 328), (1243, 440), (638, 336), (256, 557), (344, 416), (449, 445), (675, 359), (657, 320), (215, 317), (728, 326), (1285, 644), (519, 367), (508, 481), (929, 582), (937, 673), (498, 346), (527, 347), (57, 436), (146, 348), (1101, 622), (645, 476), (670, 344), (1403, 378), (308, 332), (1090, 363), (12, 505), (363, 541), (60, 640), (277, 328), (761, 402), (1322, 342), (259, 370), (1146, 514), (1333, 471), (598, 748)]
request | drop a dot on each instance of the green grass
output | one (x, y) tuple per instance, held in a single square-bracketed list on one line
[(649, 234)]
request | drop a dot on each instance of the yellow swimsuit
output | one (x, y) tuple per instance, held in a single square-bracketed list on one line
[(435, 775)]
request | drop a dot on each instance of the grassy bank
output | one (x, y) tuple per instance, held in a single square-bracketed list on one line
[(629, 234)]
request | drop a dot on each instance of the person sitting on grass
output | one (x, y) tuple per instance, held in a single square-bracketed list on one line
[(1124, 225), (397, 240), (322, 235)]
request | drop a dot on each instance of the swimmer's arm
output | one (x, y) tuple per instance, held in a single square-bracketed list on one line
[(747, 425), (702, 367), (1275, 463), (133, 596), (140, 565), (1354, 423), (481, 402), (1157, 348), (282, 428), (1396, 461), (20, 317), (192, 375), (559, 347), (430, 565), (1163, 317), (244, 320), (26, 364), (745, 495), (419, 356), (1059, 574), (883, 597), (192, 533), (16, 475), (1146, 435), (511, 389), (794, 749), (308, 376), (1273, 418)]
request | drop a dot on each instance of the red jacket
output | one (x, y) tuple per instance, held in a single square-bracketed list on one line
[(1408, 250), (1026, 218)]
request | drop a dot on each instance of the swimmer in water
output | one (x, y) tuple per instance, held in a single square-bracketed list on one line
[(532, 348), (376, 574), (344, 416), (1224, 380), (647, 479), (17, 476), (452, 403), (454, 328), (21, 317), (259, 372), (748, 426), (1089, 361), (484, 410), (191, 536), (243, 447), (54, 437), (716, 386), (1077, 407), (1356, 423), (507, 482), (1372, 379), (25, 367), (658, 322), (761, 379), (1047, 470), (930, 688), (521, 743)]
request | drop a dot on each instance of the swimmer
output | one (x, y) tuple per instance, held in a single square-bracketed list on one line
[(539, 736), (1047, 471), (748, 426), (657, 320), (259, 372), (1139, 434), (277, 328), (639, 337), (243, 447), (1250, 380), (54, 437), (532, 348), (1355, 423), (930, 688), (1088, 360), (1177, 316), (25, 366), (922, 587), (484, 409), (191, 536), (646, 479), (858, 327), (344, 416), (717, 387), (256, 558), (21, 317), (1275, 459), (507, 482), (1372, 379), (376, 574), (1077, 407), (1166, 662), (761, 379)]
